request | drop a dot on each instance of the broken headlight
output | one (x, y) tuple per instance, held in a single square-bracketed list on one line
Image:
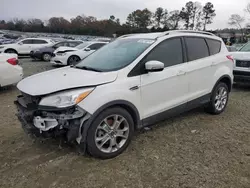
[(66, 98)]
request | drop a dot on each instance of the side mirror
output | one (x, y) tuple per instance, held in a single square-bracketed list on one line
[(20, 43), (154, 66), (87, 49)]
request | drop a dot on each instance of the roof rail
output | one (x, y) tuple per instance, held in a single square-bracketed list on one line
[(185, 31), (198, 32)]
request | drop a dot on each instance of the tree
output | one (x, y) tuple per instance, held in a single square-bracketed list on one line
[(174, 19), (208, 13), (139, 18), (112, 18), (195, 17), (237, 20), (58, 25), (248, 8), (186, 14), (159, 16)]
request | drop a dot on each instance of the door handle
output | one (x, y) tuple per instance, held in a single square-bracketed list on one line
[(181, 72)]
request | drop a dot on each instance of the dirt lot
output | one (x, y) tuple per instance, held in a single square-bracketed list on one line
[(189, 151)]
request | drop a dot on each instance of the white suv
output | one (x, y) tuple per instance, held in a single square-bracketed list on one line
[(25, 46), (135, 81)]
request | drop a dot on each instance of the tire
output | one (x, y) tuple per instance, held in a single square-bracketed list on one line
[(73, 60), (10, 51), (219, 101), (96, 136), (46, 57)]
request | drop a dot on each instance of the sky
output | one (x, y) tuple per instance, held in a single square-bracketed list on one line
[(102, 9)]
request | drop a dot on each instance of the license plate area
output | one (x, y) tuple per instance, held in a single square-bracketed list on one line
[(245, 64)]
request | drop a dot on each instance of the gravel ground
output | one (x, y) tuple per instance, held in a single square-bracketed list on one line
[(189, 151)]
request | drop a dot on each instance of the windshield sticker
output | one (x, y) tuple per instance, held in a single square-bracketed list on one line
[(146, 41)]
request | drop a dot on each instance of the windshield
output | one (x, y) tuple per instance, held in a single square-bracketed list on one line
[(82, 45), (245, 48), (116, 55)]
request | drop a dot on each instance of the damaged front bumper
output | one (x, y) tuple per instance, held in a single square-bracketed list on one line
[(43, 122)]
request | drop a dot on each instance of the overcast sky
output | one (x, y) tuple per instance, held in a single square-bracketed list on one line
[(45, 9)]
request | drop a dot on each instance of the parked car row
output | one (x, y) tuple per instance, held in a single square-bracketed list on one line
[(132, 82), (71, 56), (45, 53)]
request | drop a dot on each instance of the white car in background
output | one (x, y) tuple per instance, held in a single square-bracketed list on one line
[(24, 46), (242, 64), (70, 56), (10, 71)]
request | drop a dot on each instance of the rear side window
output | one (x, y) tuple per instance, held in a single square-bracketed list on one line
[(168, 52), (73, 44), (96, 46), (39, 42), (196, 48), (214, 46), (28, 41)]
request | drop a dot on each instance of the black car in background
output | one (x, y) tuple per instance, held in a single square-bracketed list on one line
[(45, 53)]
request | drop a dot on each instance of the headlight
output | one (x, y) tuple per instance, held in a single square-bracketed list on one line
[(66, 98), (61, 54)]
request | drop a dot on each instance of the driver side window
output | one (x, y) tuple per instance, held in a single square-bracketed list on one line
[(168, 52)]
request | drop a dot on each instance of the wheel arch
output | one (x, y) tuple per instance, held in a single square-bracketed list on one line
[(132, 110), (10, 49), (225, 79), (72, 56)]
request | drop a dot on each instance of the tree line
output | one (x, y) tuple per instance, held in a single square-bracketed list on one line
[(238, 21), (193, 16)]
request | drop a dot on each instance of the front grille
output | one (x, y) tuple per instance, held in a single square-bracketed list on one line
[(240, 63), (241, 73)]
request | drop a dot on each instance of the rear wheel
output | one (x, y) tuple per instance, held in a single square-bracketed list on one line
[(219, 99), (46, 57), (73, 60), (110, 133)]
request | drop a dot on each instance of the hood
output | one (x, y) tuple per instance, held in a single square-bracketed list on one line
[(63, 79), (241, 55), (64, 48)]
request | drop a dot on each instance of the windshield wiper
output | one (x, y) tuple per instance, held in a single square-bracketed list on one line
[(88, 68)]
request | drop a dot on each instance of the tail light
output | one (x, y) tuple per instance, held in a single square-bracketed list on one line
[(230, 58), (13, 61)]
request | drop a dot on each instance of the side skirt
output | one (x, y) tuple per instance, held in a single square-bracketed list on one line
[(176, 110)]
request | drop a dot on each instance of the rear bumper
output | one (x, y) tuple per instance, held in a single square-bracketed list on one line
[(16, 75), (241, 76)]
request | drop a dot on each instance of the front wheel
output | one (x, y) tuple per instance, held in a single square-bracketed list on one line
[(110, 133), (73, 60), (219, 99), (46, 57)]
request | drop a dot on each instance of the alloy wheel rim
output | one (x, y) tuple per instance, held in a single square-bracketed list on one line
[(46, 57), (73, 60), (112, 133), (221, 99)]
